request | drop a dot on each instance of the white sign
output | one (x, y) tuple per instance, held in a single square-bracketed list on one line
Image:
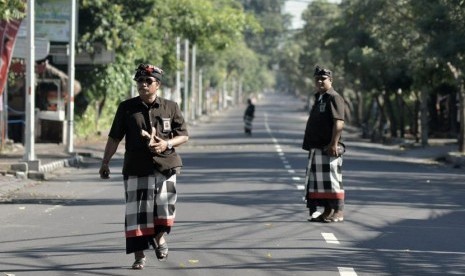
[(53, 19)]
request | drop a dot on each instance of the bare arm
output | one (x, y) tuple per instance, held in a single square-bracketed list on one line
[(110, 149), (337, 131)]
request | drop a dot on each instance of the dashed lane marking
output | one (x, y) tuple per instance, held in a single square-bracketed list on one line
[(330, 238), (346, 271)]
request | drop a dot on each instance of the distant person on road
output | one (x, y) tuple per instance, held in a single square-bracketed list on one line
[(249, 115), (322, 140), (152, 127)]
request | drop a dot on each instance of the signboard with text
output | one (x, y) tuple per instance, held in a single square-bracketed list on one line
[(53, 19)]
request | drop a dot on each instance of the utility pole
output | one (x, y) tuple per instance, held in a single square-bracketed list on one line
[(178, 71), (185, 100), (72, 35), (199, 108), (29, 151), (193, 94)]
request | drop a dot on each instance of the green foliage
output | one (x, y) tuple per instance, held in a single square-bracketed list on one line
[(12, 9), (146, 31), (266, 40), (380, 47)]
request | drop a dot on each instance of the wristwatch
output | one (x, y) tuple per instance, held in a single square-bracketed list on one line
[(170, 145)]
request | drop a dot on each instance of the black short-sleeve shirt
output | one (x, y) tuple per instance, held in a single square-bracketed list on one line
[(319, 129), (133, 116)]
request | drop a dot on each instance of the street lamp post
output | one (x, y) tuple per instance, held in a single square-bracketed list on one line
[(29, 151)]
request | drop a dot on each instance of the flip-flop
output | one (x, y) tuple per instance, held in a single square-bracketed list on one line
[(162, 252), (320, 218), (336, 219), (139, 264)]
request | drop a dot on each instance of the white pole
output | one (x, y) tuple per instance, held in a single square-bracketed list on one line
[(133, 91), (185, 100), (234, 92), (29, 151), (178, 71), (225, 87), (72, 35), (199, 109), (240, 91), (193, 94)]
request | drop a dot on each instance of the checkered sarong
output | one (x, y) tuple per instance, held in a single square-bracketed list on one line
[(248, 122), (150, 202), (324, 176)]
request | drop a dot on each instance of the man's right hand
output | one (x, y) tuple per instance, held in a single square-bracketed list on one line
[(104, 171)]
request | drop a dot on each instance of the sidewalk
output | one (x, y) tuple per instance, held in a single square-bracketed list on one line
[(438, 151), (16, 173)]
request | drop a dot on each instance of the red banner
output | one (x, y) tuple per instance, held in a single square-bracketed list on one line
[(8, 31)]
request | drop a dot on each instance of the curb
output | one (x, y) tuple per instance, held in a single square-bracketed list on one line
[(456, 159), (50, 167)]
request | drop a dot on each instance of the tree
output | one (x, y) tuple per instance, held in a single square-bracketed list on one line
[(12, 9), (442, 22), (146, 31)]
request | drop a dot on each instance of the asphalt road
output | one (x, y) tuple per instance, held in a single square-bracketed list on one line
[(240, 210)]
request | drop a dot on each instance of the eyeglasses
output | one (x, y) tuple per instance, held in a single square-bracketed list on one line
[(147, 80)]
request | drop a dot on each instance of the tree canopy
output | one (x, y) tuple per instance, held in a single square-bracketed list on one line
[(397, 56)]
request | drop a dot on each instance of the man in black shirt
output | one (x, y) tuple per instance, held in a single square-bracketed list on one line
[(249, 115), (152, 127), (322, 135)]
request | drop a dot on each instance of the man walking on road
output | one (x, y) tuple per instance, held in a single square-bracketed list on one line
[(322, 135), (249, 115), (152, 127)]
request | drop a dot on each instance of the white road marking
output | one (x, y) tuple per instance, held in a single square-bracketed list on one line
[(48, 210), (330, 238), (296, 178), (300, 187), (291, 171), (346, 271), (288, 167)]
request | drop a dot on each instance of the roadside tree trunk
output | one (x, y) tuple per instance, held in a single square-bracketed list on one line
[(459, 78), (424, 116), (461, 141)]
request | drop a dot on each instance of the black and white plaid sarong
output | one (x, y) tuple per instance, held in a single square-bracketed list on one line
[(150, 202), (324, 176), (248, 122)]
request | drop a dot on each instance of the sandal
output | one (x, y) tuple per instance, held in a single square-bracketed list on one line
[(320, 218), (162, 252), (337, 219), (139, 264), (324, 217), (338, 216)]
